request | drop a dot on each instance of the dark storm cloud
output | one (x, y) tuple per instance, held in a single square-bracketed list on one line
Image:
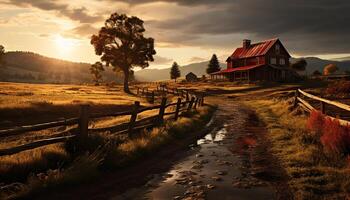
[(313, 26), (77, 14)]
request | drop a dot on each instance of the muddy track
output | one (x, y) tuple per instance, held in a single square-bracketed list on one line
[(232, 162)]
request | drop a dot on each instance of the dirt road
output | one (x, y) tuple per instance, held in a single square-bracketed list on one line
[(231, 162)]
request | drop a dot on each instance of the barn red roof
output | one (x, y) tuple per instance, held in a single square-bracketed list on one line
[(237, 69), (257, 49)]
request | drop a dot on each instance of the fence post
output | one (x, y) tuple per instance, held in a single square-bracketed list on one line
[(84, 122), (138, 90), (178, 106), (133, 117), (162, 110), (323, 107), (187, 96), (195, 103), (152, 97), (202, 102), (190, 104), (296, 95)]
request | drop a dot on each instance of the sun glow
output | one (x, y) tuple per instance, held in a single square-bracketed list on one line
[(64, 43)]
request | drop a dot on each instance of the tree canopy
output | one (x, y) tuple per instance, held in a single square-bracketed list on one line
[(299, 65), (175, 71), (330, 69), (121, 43), (96, 70), (214, 65), (317, 73)]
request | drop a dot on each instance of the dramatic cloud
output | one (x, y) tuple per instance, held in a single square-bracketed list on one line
[(187, 30), (314, 26), (77, 14), (84, 30)]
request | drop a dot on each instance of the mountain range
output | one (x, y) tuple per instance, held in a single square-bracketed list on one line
[(34, 68)]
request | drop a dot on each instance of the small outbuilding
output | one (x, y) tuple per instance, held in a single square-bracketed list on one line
[(191, 77)]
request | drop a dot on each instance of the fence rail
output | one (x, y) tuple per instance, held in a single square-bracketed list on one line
[(299, 101), (83, 124), (162, 90)]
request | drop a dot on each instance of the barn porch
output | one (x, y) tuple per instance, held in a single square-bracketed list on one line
[(252, 73)]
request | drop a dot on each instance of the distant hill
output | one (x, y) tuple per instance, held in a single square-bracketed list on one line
[(199, 69), (162, 74), (347, 58), (34, 68)]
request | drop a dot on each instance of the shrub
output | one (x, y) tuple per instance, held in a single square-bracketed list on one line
[(315, 123), (335, 138)]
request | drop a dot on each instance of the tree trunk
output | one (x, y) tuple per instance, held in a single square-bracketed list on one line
[(126, 81)]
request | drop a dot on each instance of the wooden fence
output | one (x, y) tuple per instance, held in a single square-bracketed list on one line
[(162, 90), (83, 129), (299, 99)]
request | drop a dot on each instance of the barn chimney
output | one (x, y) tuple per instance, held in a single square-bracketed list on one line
[(246, 43)]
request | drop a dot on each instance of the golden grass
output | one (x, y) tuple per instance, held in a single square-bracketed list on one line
[(312, 176), (23, 103)]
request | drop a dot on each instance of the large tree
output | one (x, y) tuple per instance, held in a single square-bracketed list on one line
[(175, 71), (299, 65), (213, 65), (96, 70), (330, 69), (121, 43)]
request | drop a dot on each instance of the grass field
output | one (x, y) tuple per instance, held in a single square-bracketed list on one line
[(35, 103)]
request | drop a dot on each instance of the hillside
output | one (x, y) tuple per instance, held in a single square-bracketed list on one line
[(34, 68)]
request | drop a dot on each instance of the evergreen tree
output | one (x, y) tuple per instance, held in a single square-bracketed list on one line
[(175, 71), (213, 65)]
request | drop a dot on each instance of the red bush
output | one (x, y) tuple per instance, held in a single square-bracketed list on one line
[(315, 122), (335, 138)]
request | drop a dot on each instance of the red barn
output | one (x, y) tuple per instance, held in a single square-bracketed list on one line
[(266, 61)]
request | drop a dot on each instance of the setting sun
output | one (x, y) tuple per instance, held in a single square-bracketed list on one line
[(64, 44)]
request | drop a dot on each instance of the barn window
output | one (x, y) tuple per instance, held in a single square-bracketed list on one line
[(282, 61), (272, 60), (277, 48)]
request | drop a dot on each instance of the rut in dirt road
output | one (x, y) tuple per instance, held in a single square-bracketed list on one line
[(231, 162)]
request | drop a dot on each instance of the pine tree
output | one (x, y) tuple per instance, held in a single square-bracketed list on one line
[(213, 65), (175, 71)]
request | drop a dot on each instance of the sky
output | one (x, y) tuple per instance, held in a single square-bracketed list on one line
[(185, 31)]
